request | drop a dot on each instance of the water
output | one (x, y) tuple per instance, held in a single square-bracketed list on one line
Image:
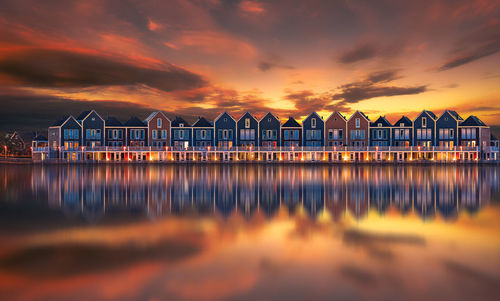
[(249, 232)]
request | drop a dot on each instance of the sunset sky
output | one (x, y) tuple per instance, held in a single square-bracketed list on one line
[(291, 57)]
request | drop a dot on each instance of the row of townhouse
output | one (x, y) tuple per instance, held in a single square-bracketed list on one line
[(90, 130)]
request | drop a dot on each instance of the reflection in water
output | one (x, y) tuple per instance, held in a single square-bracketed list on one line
[(249, 232), (245, 189)]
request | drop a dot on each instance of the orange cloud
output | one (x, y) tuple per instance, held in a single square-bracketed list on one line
[(216, 43), (252, 7)]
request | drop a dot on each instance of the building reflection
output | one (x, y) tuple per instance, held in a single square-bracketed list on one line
[(158, 190)]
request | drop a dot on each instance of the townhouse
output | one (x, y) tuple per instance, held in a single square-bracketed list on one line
[(89, 131)]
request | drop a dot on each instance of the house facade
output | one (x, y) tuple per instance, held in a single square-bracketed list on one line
[(269, 131), (313, 130), (66, 134), (158, 129), (402, 132), (358, 127), (335, 130), (248, 129), (225, 131), (472, 132), (447, 129), (92, 129), (137, 132), (380, 132), (424, 129), (115, 132), (180, 134), (291, 133), (203, 133)]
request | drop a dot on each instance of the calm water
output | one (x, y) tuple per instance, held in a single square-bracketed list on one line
[(249, 232)]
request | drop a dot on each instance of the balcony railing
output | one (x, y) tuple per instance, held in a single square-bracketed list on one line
[(266, 149)]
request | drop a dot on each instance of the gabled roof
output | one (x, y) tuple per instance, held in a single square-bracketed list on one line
[(221, 114), (381, 120), (472, 121), (337, 113), (291, 123), (178, 121), (404, 120), (362, 114), (433, 116), (202, 123), (153, 114), (112, 121), (269, 113), (134, 121), (453, 114), (83, 115), (61, 121), (247, 113)]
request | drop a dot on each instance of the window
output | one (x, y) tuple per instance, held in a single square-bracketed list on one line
[(158, 123), (286, 133), (225, 134), (424, 122), (341, 134), (441, 133), (313, 123), (396, 135), (66, 134), (247, 123), (225, 119), (473, 133), (181, 134), (330, 133), (429, 133), (419, 134), (154, 133), (357, 122), (164, 134), (203, 134), (451, 134), (379, 125), (401, 124), (269, 119)]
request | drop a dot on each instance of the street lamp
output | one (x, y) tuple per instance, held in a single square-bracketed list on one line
[(5, 149)]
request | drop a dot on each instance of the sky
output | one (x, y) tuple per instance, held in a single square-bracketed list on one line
[(199, 58)]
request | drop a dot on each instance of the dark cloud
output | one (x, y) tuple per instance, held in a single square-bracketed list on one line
[(383, 76), (307, 101), (65, 69), (479, 43), (372, 86), (35, 112), (266, 66), (353, 93), (361, 52)]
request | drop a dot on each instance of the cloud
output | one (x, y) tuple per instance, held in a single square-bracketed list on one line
[(216, 43), (252, 7), (307, 101), (68, 69), (25, 111), (371, 86), (479, 43), (266, 66), (358, 53)]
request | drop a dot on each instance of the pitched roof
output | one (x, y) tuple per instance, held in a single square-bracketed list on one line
[(202, 123), (178, 121), (404, 120), (112, 121), (269, 113), (472, 121), (153, 114), (362, 114), (61, 121), (83, 115), (381, 120), (134, 121), (455, 114), (291, 123), (430, 114), (337, 113), (248, 113)]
